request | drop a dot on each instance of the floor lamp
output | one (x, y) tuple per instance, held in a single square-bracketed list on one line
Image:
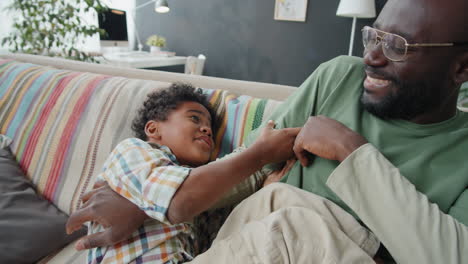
[(355, 9), (160, 6)]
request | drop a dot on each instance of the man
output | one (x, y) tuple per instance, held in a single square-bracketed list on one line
[(402, 101)]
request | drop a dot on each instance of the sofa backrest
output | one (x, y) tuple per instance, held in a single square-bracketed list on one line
[(255, 89), (65, 123)]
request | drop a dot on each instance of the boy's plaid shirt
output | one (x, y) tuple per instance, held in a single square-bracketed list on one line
[(147, 175)]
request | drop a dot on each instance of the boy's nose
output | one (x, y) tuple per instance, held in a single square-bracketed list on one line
[(206, 130)]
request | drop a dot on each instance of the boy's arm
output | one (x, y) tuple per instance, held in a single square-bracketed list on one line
[(253, 183), (207, 184), (117, 213), (245, 188)]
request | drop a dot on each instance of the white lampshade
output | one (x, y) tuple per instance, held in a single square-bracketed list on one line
[(356, 8), (161, 6)]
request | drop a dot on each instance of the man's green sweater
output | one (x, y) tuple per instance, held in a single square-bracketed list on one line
[(432, 157)]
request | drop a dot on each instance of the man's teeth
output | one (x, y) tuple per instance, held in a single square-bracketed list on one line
[(378, 81)]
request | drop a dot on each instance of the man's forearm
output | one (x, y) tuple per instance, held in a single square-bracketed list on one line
[(412, 229)]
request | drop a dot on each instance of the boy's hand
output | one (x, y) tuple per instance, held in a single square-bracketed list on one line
[(118, 215), (276, 144), (276, 176)]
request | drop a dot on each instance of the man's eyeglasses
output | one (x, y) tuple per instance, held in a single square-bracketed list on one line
[(395, 47)]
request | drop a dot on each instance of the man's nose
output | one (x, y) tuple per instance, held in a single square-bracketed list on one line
[(374, 56)]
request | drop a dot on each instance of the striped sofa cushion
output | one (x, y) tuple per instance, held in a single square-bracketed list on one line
[(64, 123), (238, 115)]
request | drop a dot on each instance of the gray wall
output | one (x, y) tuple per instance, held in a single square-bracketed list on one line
[(241, 40)]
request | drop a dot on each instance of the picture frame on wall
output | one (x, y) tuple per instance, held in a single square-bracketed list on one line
[(291, 10)]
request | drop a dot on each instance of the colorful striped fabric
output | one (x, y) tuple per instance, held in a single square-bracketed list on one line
[(64, 124), (237, 116)]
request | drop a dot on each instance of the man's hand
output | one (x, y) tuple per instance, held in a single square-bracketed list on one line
[(276, 144), (118, 215), (326, 138)]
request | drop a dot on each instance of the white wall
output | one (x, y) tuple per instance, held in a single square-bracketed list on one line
[(6, 22), (91, 44)]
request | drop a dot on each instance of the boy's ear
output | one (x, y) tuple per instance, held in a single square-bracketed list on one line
[(152, 130), (461, 74)]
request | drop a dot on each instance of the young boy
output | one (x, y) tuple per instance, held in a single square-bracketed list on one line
[(165, 173)]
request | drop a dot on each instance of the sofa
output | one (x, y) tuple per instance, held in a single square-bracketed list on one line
[(64, 117)]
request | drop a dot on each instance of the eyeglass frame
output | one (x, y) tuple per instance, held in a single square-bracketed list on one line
[(380, 38)]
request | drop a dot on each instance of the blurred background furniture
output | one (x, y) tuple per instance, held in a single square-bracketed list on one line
[(195, 65), (141, 60)]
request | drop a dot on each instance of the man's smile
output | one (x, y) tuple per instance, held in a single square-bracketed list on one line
[(373, 83)]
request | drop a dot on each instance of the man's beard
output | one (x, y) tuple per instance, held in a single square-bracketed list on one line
[(407, 102)]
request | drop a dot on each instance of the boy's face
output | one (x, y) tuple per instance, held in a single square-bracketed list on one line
[(187, 132)]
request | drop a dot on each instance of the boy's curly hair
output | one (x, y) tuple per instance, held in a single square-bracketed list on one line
[(158, 105)]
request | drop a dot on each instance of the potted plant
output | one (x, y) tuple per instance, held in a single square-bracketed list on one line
[(52, 27), (156, 43)]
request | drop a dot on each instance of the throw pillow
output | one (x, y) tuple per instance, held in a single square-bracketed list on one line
[(30, 226), (237, 115)]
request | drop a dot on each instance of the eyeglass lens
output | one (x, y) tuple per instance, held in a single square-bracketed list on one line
[(393, 46)]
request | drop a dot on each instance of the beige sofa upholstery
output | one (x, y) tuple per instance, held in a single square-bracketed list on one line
[(255, 89), (75, 113)]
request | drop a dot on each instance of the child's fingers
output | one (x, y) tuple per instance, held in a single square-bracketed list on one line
[(289, 164), (293, 130), (276, 176), (271, 124)]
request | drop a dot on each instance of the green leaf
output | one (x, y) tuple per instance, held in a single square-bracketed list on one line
[(43, 25)]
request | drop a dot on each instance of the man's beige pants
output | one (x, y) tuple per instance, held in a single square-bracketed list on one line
[(284, 224)]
